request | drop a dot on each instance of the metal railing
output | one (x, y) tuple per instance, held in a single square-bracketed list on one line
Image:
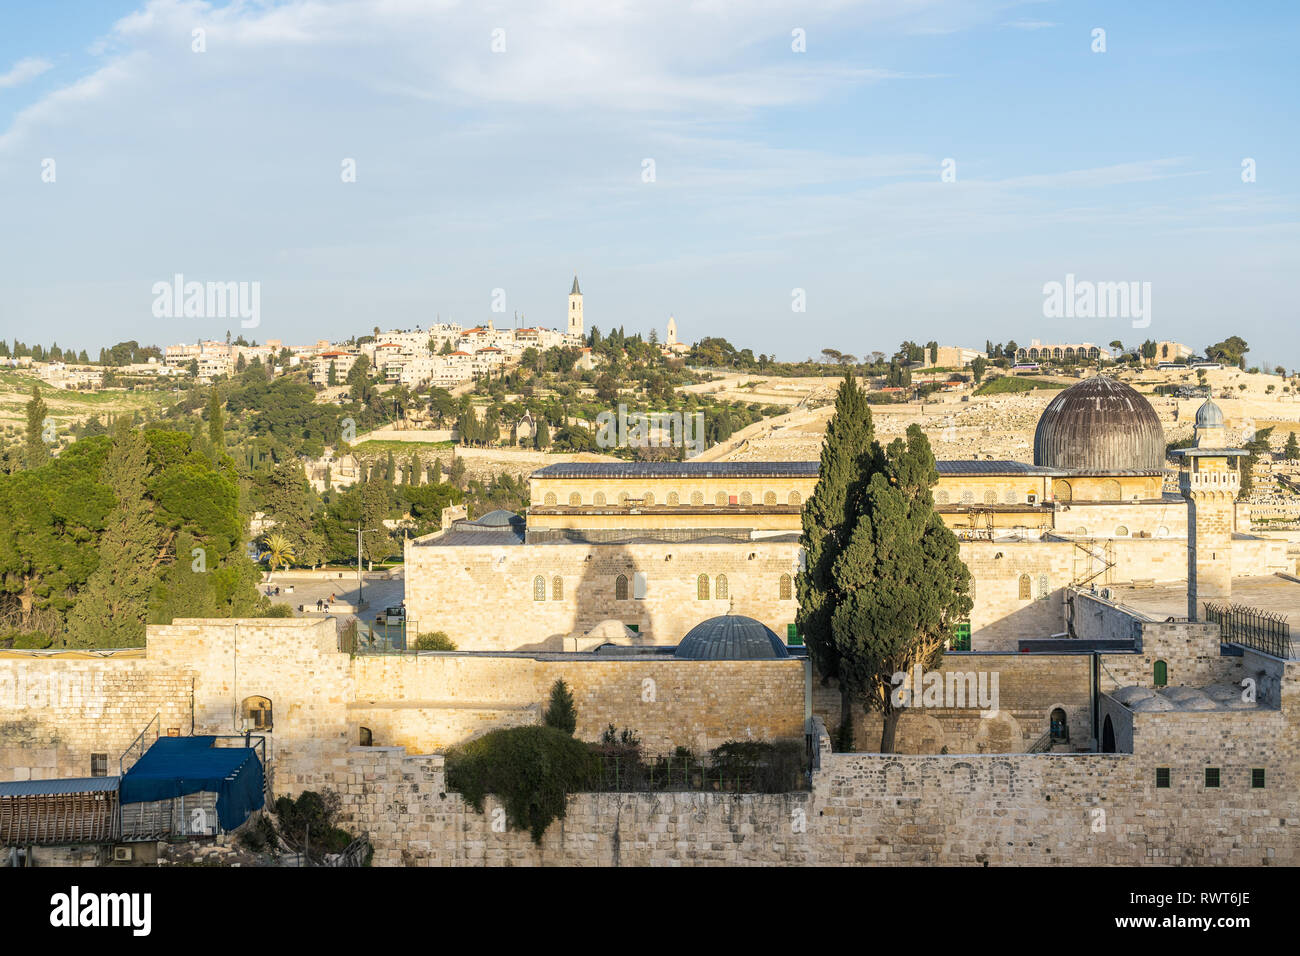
[(1252, 627)]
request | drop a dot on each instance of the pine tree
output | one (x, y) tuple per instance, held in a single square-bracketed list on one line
[(110, 609), (37, 451), (846, 462), (904, 586), (1292, 450), (560, 713)]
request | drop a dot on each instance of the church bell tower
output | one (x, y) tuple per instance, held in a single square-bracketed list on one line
[(576, 327)]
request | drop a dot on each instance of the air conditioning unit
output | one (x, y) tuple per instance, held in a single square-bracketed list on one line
[(123, 854), (1033, 499)]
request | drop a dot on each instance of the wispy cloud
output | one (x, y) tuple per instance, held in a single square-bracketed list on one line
[(1027, 24), (23, 71)]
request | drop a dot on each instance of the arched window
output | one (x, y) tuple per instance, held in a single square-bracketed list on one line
[(257, 712), (550, 498), (557, 588), (648, 498), (1044, 587), (1162, 532), (769, 499), (673, 499), (1011, 497), (786, 589), (697, 498), (620, 588), (367, 739), (720, 499), (746, 498), (1160, 674), (720, 587), (1025, 586), (1061, 490), (702, 588), (1110, 490), (598, 498), (1121, 531), (795, 498), (575, 499), (539, 588), (941, 497), (990, 497), (622, 497), (1081, 532), (968, 497)]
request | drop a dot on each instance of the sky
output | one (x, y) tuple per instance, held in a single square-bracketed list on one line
[(789, 176)]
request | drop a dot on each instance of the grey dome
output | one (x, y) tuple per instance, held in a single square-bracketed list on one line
[(731, 637), (497, 519), (1100, 427), (1209, 415)]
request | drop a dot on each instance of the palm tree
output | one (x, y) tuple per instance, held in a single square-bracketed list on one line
[(279, 551)]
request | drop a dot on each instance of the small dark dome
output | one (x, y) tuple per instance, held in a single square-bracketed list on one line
[(731, 637), (497, 519), (1100, 427)]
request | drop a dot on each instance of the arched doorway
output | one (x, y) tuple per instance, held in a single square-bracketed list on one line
[(1108, 737), (1160, 674), (1060, 726)]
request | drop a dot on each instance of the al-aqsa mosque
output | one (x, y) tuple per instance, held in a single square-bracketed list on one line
[(660, 547)]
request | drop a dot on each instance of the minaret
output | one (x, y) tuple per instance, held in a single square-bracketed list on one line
[(576, 327), (1209, 479), (671, 340)]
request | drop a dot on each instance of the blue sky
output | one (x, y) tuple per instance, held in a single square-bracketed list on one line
[(774, 170)]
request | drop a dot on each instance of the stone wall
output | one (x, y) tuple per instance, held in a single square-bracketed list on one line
[(431, 701)]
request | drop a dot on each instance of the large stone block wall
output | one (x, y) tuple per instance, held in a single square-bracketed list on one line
[(1030, 687), (55, 712), (669, 702), (865, 809), (484, 597)]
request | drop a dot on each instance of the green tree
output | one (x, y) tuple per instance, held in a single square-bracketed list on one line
[(216, 422), (1292, 450), (560, 713), (543, 438), (37, 451), (904, 586), (111, 608), (279, 552), (978, 368), (846, 461)]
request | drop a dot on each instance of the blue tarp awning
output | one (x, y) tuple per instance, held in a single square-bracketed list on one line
[(177, 766)]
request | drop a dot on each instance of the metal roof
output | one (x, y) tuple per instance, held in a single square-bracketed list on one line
[(731, 637), (680, 469), (1100, 427), (45, 788), (977, 467)]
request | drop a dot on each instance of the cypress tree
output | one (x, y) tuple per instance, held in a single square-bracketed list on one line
[(412, 476), (216, 422), (846, 462), (110, 609), (560, 713), (903, 585), (37, 451), (1292, 450)]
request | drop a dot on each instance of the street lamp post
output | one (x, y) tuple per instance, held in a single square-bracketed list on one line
[(361, 597)]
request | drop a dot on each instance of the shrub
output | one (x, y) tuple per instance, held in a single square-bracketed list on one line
[(277, 610), (309, 821), (434, 641), (531, 769), (25, 640), (763, 767), (561, 713)]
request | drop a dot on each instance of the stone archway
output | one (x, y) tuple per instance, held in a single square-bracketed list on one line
[(1061, 490)]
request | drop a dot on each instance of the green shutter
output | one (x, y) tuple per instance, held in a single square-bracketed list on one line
[(792, 635)]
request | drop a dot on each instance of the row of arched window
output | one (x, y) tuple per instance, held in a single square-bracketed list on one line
[(989, 497), (717, 589), (673, 500)]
